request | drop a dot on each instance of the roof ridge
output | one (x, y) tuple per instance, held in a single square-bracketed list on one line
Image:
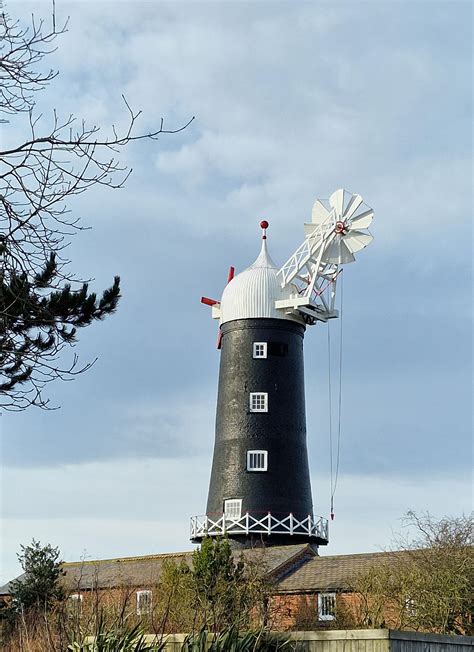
[(362, 554), (125, 559)]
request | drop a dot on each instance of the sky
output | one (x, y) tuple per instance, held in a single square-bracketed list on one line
[(291, 101)]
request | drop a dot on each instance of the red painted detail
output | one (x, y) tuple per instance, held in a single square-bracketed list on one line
[(219, 339), (231, 274), (264, 224), (209, 302), (340, 227)]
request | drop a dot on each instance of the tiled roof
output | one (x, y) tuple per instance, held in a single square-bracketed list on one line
[(295, 569), (147, 570), (332, 573)]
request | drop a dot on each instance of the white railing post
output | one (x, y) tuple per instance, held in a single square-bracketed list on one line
[(206, 524), (269, 518), (223, 523), (246, 523), (291, 523), (309, 523)]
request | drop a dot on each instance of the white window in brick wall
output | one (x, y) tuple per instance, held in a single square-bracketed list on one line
[(258, 402), (233, 508), (75, 604), (76, 597), (143, 602), (257, 460), (326, 606), (259, 349), (410, 607)]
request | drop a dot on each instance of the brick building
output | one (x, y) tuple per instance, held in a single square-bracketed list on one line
[(307, 589)]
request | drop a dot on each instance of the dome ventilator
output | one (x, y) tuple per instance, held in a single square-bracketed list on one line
[(338, 229)]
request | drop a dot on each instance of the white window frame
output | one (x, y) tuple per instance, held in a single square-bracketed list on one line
[(146, 608), (323, 606), (260, 350), (233, 505), (253, 457), (410, 607), (76, 597), (75, 604), (258, 397)]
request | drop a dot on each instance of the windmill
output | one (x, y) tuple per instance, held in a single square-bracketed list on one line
[(260, 489)]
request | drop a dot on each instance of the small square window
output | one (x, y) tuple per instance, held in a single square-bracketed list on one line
[(143, 602), (326, 606), (257, 460), (74, 604), (233, 508), (258, 402), (259, 349), (75, 597), (410, 607)]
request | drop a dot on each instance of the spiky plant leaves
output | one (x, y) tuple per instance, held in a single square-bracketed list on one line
[(124, 639)]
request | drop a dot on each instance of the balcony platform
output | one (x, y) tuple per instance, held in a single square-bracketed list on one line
[(315, 529)]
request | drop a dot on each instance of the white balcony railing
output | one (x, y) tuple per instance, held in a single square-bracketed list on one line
[(205, 526)]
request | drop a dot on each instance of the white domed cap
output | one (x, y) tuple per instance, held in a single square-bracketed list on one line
[(252, 293)]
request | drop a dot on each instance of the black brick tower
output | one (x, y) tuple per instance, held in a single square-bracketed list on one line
[(260, 489)]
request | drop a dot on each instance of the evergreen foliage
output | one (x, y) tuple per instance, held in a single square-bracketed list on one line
[(37, 322), (216, 593), (39, 588)]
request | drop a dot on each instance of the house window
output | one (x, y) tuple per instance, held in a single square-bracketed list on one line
[(74, 604), (143, 602), (75, 597), (258, 402), (259, 349), (410, 607), (233, 508), (326, 606), (257, 460)]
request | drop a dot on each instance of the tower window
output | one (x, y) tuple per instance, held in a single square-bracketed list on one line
[(143, 602), (326, 606), (257, 460), (280, 349), (258, 402), (259, 349), (233, 508)]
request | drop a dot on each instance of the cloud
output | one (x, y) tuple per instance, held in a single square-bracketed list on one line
[(120, 508), (173, 426)]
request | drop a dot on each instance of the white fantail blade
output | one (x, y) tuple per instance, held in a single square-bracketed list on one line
[(357, 240), (363, 220), (352, 206), (338, 253), (319, 213), (337, 202)]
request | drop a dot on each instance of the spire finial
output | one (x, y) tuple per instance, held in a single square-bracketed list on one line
[(264, 227)]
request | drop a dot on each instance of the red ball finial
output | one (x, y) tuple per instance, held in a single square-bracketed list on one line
[(264, 226)]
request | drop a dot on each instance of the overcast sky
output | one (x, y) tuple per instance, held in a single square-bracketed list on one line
[(292, 100)]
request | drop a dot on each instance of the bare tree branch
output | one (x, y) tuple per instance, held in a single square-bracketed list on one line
[(39, 311)]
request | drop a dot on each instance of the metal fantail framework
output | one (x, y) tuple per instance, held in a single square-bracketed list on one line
[(338, 229)]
